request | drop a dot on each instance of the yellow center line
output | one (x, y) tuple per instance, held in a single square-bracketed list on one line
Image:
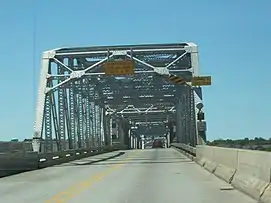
[(70, 192)]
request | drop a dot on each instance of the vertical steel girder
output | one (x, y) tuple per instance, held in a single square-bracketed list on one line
[(69, 114), (186, 123), (61, 113), (186, 118), (66, 117), (107, 131)]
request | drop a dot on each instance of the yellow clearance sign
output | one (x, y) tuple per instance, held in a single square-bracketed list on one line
[(177, 80), (201, 81), (124, 67)]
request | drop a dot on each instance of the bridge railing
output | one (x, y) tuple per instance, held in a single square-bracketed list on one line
[(186, 149), (12, 163)]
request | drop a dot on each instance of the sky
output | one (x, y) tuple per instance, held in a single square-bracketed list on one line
[(234, 48)]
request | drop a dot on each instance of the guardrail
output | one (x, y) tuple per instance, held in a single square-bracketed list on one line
[(12, 163), (189, 151)]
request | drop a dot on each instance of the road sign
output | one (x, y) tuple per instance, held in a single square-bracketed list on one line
[(123, 67), (202, 80), (177, 80)]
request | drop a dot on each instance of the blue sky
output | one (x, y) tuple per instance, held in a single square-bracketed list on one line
[(233, 38)]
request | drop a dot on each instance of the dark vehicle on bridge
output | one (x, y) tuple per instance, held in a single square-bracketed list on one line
[(157, 144)]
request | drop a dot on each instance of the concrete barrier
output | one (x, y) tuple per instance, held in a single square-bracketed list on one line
[(253, 172), (247, 170), (204, 154), (266, 196), (56, 158), (226, 160), (12, 163), (220, 161), (209, 157)]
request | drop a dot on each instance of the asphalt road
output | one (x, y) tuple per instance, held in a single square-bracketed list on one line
[(135, 176)]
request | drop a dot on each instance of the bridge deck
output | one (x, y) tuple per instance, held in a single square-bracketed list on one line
[(137, 176)]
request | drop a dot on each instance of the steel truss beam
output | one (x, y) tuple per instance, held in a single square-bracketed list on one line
[(151, 130), (153, 123), (139, 102), (73, 90), (142, 94), (150, 117)]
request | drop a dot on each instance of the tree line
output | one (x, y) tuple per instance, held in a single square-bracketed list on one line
[(258, 143)]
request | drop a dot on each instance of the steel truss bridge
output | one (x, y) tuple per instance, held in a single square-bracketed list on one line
[(82, 105), (95, 103)]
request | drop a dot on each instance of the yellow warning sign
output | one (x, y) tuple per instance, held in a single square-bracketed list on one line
[(177, 80), (123, 67), (201, 81)]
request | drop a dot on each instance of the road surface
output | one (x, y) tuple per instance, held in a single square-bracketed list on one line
[(134, 176)]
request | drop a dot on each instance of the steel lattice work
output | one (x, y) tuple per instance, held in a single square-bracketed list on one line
[(80, 105)]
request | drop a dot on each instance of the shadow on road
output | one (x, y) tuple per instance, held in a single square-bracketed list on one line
[(134, 161), (91, 162), (143, 162), (130, 162)]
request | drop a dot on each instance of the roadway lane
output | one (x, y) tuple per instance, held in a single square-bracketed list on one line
[(138, 176)]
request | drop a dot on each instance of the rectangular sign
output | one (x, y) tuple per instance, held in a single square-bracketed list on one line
[(202, 80), (201, 125), (124, 67)]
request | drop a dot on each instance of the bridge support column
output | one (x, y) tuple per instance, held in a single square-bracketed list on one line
[(41, 104), (110, 133), (129, 139), (168, 138), (120, 131), (93, 125), (82, 135), (102, 113), (185, 117), (171, 132), (142, 143), (107, 131), (62, 103), (87, 114), (98, 125), (139, 143), (201, 123), (135, 142), (80, 119), (131, 142), (114, 132), (125, 129)]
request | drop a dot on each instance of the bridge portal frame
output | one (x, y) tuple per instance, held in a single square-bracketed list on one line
[(74, 73)]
